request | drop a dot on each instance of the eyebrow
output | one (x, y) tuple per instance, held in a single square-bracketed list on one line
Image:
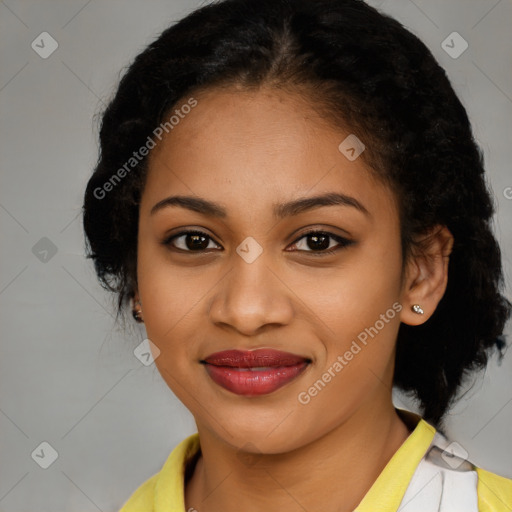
[(282, 210)]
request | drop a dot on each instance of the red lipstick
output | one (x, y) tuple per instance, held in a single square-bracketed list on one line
[(254, 372)]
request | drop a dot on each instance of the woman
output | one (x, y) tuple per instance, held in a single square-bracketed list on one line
[(291, 196)]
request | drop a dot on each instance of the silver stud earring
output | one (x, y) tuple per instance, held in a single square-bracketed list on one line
[(417, 309)]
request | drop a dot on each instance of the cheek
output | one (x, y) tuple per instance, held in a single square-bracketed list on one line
[(360, 305), (162, 286), (354, 296), (168, 299)]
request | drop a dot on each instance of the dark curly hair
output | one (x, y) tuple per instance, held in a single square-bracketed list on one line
[(362, 70)]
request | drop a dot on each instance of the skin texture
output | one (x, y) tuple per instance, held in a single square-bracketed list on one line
[(248, 150)]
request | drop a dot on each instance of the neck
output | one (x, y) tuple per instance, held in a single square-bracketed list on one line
[(333, 473)]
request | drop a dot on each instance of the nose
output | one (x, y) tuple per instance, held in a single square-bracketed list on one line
[(251, 298)]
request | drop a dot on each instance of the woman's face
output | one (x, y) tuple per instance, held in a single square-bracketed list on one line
[(257, 281)]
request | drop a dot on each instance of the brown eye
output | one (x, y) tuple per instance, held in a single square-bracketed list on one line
[(192, 241), (319, 242)]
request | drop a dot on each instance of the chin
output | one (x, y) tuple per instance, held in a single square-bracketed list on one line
[(274, 434)]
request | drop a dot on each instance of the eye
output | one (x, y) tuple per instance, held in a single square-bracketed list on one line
[(319, 242), (198, 241), (193, 241)]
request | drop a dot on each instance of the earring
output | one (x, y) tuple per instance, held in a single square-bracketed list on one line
[(137, 311), (417, 309)]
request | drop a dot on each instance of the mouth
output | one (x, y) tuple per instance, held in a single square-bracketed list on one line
[(254, 372)]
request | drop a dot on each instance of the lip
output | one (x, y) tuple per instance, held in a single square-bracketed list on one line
[(254, 372)]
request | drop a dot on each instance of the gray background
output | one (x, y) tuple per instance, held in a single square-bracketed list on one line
[(68, 375)]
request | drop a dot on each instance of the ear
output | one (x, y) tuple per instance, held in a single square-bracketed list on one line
[(426, 275)]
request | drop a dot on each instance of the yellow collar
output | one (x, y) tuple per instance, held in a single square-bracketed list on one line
[(387, 491), (164, 492)]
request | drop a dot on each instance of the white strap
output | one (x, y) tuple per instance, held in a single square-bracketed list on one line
[(443, 481)]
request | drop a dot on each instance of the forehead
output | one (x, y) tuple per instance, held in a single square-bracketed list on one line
[(243, 148)]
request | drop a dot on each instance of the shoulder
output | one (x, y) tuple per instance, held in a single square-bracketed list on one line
[(143, 498), (165, 490), (459, 481), (494, 492)]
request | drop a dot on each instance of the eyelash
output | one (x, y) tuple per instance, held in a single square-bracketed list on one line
[(343, 242)]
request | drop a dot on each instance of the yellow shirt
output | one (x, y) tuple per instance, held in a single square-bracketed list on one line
[(164, 491)]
